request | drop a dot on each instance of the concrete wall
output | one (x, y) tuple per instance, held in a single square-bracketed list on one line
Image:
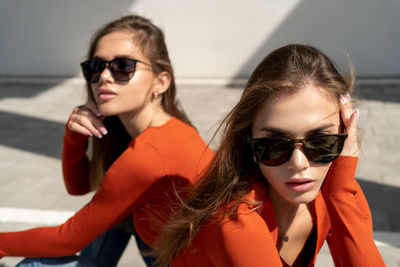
[(206, 39)]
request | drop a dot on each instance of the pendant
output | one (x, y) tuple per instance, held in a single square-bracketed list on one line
[(285, 238)]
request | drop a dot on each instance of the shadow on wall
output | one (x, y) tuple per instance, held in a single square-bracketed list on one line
[(338, 28)]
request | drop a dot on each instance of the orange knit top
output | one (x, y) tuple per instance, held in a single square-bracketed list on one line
[(139, 181), (341, 215)]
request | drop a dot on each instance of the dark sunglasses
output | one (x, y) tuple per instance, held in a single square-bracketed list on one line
[(318, 149), (121, 69)]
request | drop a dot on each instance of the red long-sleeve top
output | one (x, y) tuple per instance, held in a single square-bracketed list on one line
[(340, 212), (140, 181)]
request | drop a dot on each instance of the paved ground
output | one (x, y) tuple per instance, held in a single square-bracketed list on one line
[(32, 117)]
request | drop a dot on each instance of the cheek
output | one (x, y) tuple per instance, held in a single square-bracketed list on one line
[(320, 172), (92, 95), (273, 175), (141, 88)]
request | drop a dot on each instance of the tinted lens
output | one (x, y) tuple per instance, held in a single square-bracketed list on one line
[(319, 149), (92, 69), (272, 152), (324, 148), (122, 69)]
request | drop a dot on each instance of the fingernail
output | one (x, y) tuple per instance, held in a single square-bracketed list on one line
[(98, 114), (89, 133), (357, 111), (344, 100), (98, 134), (348, 96), (103, 130)]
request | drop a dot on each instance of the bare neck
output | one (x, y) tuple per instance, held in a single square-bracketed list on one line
[(294, 223), (136, 123), (287, 213)]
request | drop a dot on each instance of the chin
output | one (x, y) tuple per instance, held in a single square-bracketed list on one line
[(107, 113), (107, 110), (305, 198)]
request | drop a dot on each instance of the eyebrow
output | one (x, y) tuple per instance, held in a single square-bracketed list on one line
[(116, 56), (274, 130)]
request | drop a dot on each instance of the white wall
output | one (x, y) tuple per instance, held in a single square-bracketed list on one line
[(206, 39)]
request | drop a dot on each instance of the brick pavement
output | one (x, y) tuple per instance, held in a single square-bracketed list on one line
[(33, 113)]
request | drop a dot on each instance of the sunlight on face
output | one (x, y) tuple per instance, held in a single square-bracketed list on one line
[(113, 97), (299, 115)]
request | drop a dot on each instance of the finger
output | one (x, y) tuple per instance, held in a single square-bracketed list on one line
[(351, 127), (351, 145), (89, 107), (96, 119), (87, 120), (98, 124), (350, 119), (346, 109), (93, 108), (79, 129)]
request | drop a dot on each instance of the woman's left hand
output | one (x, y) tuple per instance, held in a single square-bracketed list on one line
[(350, 119)]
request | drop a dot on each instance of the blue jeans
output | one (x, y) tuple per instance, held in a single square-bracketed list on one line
[(69, 261), (107, 249)]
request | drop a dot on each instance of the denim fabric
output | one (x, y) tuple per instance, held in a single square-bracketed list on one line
[(69, 261), (107, 249)]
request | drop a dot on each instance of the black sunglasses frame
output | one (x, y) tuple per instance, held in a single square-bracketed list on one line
[(101, 65), (290, 144)]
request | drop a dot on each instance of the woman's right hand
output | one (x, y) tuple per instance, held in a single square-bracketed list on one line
[(350, 120), (87, 120)]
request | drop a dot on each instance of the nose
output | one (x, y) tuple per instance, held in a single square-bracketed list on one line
[(106, 75), (298, 161)]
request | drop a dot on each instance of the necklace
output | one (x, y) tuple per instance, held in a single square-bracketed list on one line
[(285, 237)]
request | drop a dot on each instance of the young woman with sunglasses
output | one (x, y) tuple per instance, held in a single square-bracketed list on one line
[(144, 147), (282, 181)]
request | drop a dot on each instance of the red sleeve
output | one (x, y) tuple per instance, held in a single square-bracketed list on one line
[(124, 183), (351, 240), (75, 163), (245, 241)]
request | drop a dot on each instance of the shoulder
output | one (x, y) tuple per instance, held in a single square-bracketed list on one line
[(172, 136), (248, 219), (138, 159), (173, 128), (179, 146), (174, 148), (149, 149), (241, 241)]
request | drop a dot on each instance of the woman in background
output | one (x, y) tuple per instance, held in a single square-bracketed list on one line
[(282, 181), (145, 147)]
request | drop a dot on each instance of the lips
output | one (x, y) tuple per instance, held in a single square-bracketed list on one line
[(300, 184), (106, 94)]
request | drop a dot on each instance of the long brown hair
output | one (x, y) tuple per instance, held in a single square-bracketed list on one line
[(232, 171), (151, 40)]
